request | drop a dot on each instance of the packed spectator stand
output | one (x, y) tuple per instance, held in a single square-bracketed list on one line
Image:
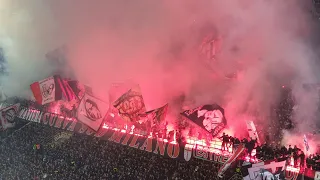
[(33, 152), (88, 158)]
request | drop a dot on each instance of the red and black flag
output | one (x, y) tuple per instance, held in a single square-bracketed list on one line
[(52, 89), (157, 116), (79, 89), (131, 105), (209, 117)]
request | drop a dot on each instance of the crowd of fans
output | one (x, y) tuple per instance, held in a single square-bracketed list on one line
[(33, 153), (295, 156)]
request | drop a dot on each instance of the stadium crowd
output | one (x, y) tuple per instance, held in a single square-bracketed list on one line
[(295, 156), (84, 157), (35, 152), (38, 151)]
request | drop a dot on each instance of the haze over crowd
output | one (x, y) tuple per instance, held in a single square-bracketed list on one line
[(155, 44)]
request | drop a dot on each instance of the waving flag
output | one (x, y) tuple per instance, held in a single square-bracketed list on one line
[(52, 89), (79, 89), (240, 150), (157, 116), (209, 117), (252, 131), (131, 105), (305, 140), (92, 111), (8, 114)]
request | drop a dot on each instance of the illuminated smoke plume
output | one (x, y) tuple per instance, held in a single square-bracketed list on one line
[(155, 44), (27, 32)]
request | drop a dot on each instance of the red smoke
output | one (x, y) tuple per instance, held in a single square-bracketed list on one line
[(155, 44)]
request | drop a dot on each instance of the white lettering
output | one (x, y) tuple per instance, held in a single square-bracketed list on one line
[(38, 117), (21, 113), (29, 115)]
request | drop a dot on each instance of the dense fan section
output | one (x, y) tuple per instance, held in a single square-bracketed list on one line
[(65, 148), (76, 118), (84, 157)]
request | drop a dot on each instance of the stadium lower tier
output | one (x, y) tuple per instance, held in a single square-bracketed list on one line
[(192, 149)]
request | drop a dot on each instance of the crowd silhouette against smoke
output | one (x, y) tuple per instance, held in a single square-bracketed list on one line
[(265, 52)]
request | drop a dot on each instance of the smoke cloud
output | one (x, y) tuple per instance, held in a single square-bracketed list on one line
[(27, 32), (155, 44)]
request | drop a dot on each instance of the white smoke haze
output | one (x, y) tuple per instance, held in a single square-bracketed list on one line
[(155, 44), (27, 32)]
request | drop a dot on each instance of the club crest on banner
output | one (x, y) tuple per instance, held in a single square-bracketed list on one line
[(131, 105), (8, 115)]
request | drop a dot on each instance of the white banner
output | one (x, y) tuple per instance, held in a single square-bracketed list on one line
[(47, 88), (92, 111), (261, 170), (252, 131)]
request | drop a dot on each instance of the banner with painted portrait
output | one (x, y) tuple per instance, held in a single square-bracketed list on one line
[(8, 115), (92, 111), (209, 117)]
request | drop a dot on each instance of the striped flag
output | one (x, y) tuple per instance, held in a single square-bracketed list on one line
[(52, 89), (233, 158)]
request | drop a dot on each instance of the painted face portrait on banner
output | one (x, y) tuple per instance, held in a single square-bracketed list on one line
[(10, 115), (92, 110), (211, 118)]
